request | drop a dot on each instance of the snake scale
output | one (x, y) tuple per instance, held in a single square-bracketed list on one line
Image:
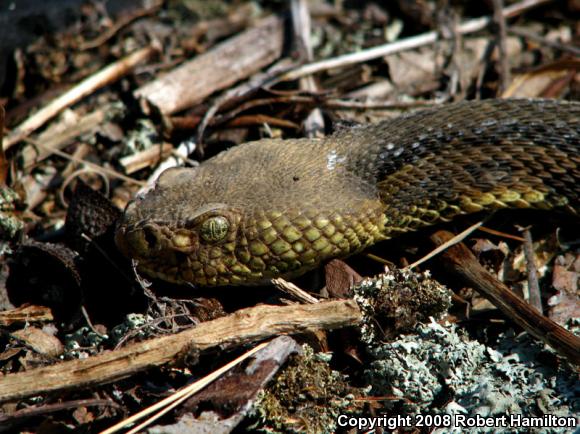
[(278, 208)]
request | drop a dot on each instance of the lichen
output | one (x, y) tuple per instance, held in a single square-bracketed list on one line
[(86, 341), (396, 300), (439, 370), (10, 224), (137, 324)]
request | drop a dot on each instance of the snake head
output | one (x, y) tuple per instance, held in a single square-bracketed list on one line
[(253, 213), (173, 238)]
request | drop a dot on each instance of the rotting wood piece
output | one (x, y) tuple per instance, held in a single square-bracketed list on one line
[(242, 327), (461, 261), (227, 63)]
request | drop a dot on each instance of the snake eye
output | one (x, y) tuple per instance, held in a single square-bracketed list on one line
[(214, 229)]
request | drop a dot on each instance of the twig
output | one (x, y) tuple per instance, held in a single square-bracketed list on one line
[(331, 103), (294, 291), (242, 327), (535, 298), (524, 33), (470, 26), (456, 239), (380, 260), (61, 134), (122, 22), (500, 234), (248, 120), (504, 70), (314, 122), (146, 158), (243, 90), (44, 409), (94, 166), (86, 87), (461, 261), (26, 314)]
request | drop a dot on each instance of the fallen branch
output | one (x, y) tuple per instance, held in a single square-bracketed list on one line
[(242, 327), (459, 259), (227, 63)]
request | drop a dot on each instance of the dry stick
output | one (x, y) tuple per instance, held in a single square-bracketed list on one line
[(242, 327), (3, 161), (314, 122), (243, 90), (533, 286), (86, 87), (44, 409), (518, 31), (54, 137), (146, 158), (122, 22), (499, 19), (257, 119), (461, 261), (501, 234), (470, 26), (228, 62), (25, 314), (294, 291), (331, 103)]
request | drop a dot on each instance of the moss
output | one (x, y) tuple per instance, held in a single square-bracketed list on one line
[(307, 396)]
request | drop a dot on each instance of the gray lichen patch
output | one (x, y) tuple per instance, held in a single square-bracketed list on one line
[(395, 301), (308, 396), (437, 370), (10, 224)]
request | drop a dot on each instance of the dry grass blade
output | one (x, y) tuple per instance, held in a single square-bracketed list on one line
[(178, 397), (456, 239), (500, 234)]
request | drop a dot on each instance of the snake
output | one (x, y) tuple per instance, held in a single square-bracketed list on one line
[(281, 207)]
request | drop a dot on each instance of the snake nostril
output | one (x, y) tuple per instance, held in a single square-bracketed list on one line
[(181, 257), (150, 237)]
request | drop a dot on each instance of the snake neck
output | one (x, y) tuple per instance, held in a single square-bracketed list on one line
[(431, 166)]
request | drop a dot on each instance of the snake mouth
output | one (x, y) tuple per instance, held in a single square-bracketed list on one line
[(151, 241)]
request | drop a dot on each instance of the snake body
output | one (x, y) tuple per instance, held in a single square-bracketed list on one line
[(278, 208)]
